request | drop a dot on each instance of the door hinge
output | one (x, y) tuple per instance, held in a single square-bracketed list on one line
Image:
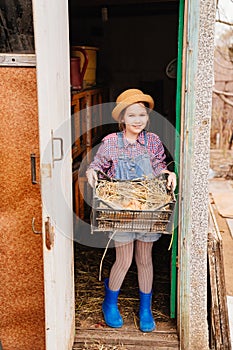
[(177, 262)]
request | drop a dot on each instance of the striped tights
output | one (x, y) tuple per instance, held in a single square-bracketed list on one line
[(124, 257)]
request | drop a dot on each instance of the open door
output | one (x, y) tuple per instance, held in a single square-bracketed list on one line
[(52, 54)]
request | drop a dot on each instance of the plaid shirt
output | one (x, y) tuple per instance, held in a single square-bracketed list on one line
[(106, 158)]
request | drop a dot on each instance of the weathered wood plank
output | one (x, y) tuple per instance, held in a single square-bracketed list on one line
[(220, 332), (215, 324), (129, 338), (96, 346)]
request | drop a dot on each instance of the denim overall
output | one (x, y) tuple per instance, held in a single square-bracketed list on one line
[(131, 168)]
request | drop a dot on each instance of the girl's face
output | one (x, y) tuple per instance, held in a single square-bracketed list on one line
[(135, 119)]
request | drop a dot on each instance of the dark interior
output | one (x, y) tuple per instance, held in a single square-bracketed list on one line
[(136, 41)]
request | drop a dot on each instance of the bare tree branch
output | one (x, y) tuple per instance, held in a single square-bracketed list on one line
[(224, 56), (222, 65), (224, 22), (219, 92), (229, 102), (222, 94)]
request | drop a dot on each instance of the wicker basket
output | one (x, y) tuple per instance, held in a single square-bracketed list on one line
[(105, 218)]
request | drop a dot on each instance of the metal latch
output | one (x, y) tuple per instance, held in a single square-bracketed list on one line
[(33, 228), (33, 169), (49, 234)]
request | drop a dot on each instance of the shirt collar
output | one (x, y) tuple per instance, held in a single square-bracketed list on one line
[(140, 139)]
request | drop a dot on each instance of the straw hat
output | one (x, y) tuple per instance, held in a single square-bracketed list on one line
[(127, 98)]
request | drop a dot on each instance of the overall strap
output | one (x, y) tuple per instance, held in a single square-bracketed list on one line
[(120, 139), (145, 137)]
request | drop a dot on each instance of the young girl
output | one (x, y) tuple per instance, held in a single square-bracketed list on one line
[(127, 155)]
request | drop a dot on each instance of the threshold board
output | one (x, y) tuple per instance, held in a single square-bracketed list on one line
[(127, 338)]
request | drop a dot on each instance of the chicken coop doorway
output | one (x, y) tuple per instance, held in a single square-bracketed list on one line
[(135, 46)]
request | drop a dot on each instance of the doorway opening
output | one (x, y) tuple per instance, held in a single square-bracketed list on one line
[(134, 43)]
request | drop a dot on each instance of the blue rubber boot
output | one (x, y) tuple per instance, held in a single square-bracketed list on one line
[(111, 313), (146, 320)]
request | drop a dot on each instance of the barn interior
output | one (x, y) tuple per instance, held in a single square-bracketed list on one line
[(136, 45)]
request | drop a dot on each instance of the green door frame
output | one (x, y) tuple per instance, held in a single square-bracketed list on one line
[(173, 295)]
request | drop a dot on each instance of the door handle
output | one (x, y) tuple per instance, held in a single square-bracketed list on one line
[(56, 159)]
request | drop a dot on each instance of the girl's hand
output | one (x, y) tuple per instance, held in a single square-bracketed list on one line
[(92, 177), (171, 181)]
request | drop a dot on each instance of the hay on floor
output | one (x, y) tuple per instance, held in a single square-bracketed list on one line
[(90, 291)]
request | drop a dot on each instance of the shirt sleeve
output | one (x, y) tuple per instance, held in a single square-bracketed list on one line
[(157, 153), (102, 159)]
